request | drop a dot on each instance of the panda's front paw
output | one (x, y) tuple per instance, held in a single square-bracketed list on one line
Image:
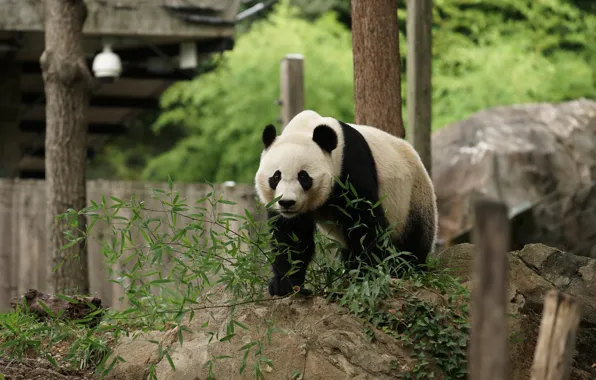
[(282, 286)]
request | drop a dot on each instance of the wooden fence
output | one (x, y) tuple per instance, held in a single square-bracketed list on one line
[(24, 262)]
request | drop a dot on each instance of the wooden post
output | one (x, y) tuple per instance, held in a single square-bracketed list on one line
[(419, 70), (292, 87), (556, 340), (487, 352)]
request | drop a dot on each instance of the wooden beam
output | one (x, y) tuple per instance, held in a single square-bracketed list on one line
[(125, 18), (487, 351), (141, 54), (419, 70), (292, 87), (128, 71), (556, 341), (33, 174), (33, 126), (41, 152), (32, 163), (30, 98)]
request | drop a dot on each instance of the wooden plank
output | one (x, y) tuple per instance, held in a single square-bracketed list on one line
[(292, 87), (487, 352), (556, 340), (6, 248), (419, 71)]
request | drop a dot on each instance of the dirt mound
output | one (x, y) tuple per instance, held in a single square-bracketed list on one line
[(311, 339)]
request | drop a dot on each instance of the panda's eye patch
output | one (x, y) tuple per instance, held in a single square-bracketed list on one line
[(304, 179), (274, 179)]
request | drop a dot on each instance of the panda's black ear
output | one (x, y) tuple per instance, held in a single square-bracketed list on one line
[(269, 135), (325, 137)]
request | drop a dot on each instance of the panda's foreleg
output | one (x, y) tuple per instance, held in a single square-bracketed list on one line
[(293, 239), (362, 232)]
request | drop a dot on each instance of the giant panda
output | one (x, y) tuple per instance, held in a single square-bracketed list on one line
[(302, 165)]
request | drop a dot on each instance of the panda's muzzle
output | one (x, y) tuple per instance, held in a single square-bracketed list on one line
[(286, 204)]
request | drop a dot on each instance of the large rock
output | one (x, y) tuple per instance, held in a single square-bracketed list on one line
[(521, 154), (533, 271)]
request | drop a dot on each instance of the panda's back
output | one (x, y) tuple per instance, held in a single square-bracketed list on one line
[(402, 178)]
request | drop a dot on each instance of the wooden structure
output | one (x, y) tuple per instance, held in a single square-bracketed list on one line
[(291, 87), (147, 35), (556, 342), (23, 256), (419, 72), (488, 349)]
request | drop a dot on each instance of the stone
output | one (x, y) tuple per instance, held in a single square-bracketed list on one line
[(534, 153), (532, 271)]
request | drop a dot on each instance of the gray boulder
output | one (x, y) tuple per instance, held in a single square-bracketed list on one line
[(537, 154)]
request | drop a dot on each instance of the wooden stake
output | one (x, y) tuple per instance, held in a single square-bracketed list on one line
[(488, 341), (419, 70), (556, 340), (292, 87)]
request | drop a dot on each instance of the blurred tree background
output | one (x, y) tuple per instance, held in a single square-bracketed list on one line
[(485, 53)]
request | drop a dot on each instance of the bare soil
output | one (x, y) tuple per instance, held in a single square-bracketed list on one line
[(39, 369)]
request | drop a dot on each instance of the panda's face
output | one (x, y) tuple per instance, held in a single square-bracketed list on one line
[(297, 170)]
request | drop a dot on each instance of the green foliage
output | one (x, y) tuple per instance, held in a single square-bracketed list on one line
[(227, 109), (485, 53), (499, 52), (174, 255)]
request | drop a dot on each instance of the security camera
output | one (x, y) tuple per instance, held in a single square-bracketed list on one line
[(106, 65)]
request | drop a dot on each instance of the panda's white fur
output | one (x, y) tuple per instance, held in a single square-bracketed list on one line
[(401, 179), (401, 173)]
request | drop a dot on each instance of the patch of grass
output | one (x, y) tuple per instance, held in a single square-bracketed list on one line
[(62, 343)]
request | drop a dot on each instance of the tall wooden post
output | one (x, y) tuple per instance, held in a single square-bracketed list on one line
[(377, 67), (419, 70), (67, 82), (488, 339), (292, 87)]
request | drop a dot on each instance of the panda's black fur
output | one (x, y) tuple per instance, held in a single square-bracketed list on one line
[(359, 167)]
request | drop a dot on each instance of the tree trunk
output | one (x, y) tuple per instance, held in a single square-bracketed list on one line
[(377, 84), (67, 82)]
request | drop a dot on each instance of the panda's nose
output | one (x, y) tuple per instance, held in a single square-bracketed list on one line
[(286, 203)]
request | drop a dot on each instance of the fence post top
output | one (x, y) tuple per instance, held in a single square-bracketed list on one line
[(294, 56)]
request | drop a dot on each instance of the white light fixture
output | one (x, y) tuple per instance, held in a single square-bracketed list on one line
[(107, 65), (188, 55)]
